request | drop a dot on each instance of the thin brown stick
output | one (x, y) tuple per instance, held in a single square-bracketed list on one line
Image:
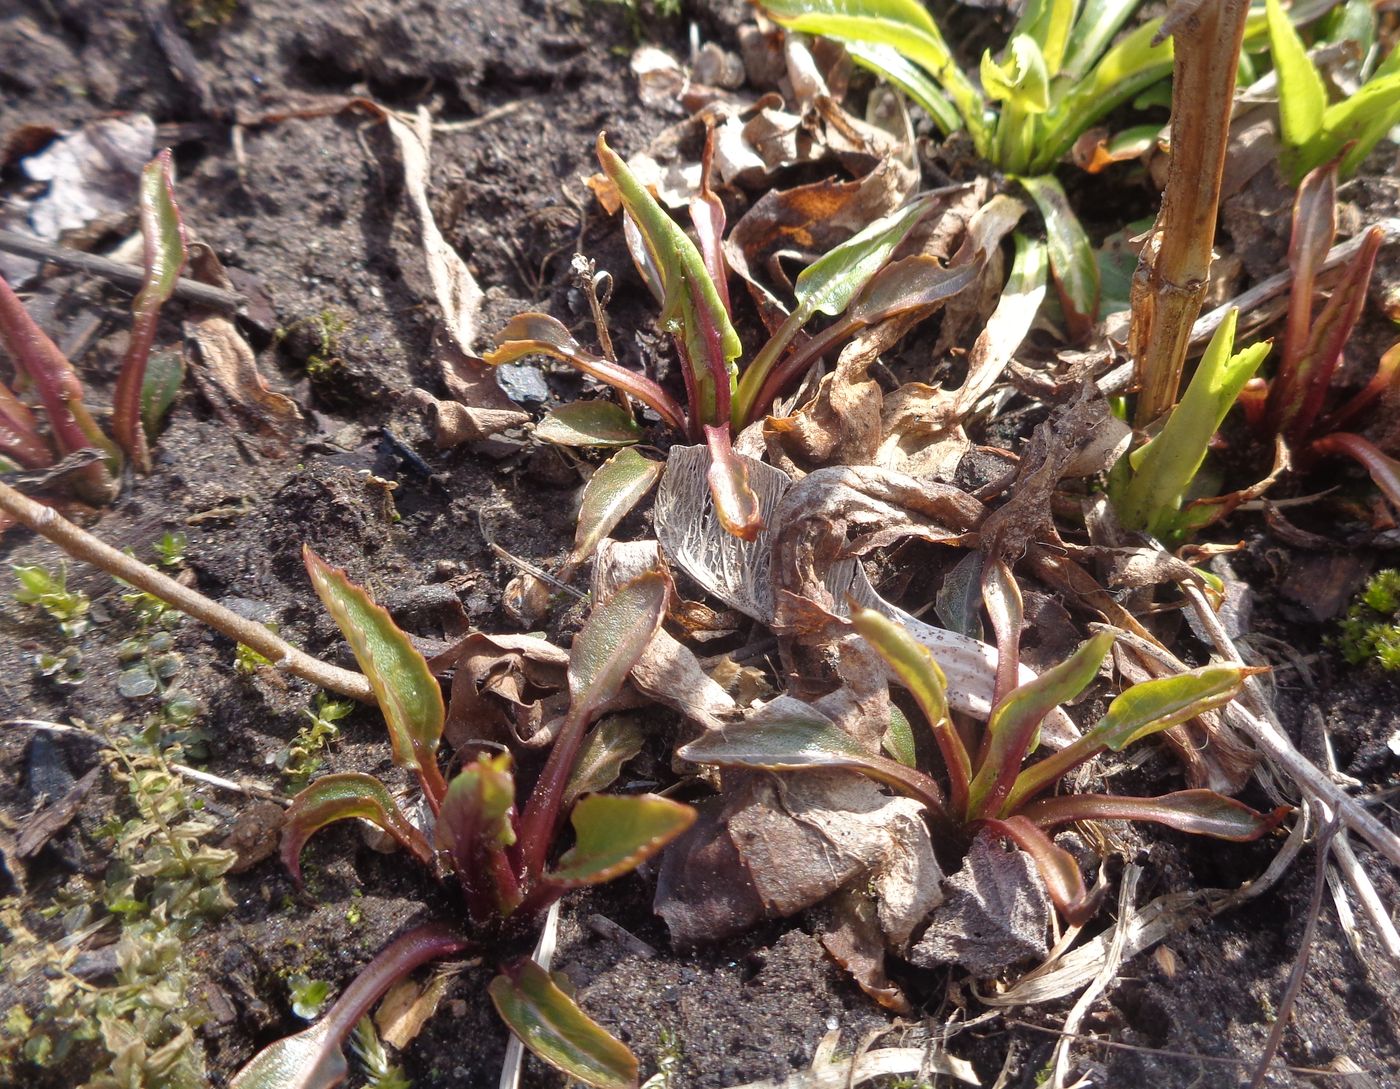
[(82, 545), (118, 271), (1171, 279)]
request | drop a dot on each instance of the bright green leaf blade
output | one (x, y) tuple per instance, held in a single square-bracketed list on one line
[(1163, 469), (1021, 81), (408, 694), (615, 833), (1157, 705), (588, 423), (788, 735), (898, 740), (1072, 261), (1363, 120), (551, 1025), (609, 645), (613, 490), (610, 744), (346, 796), (1015, 720), (1302, 98), (902, 24), (1199, 812), (165, 371), (891, 65), (1047, 23), (1131, 66), (1097, 24)]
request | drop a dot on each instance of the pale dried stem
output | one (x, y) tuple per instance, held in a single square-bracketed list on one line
[(1170, 283), (82, 545)]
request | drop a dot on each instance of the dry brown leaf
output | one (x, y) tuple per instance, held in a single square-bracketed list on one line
[(851, 934), (408, 1007), (226, 371), (501, 686)]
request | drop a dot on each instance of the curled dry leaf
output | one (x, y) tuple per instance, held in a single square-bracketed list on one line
[(479, 408), (501, 687), (226, 371)]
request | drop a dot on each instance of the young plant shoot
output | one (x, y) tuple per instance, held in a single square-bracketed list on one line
[(498, 847)]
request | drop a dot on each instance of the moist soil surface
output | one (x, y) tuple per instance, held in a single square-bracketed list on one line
[(309, 214)]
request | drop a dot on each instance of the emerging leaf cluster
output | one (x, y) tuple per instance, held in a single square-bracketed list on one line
[(1370, 633)]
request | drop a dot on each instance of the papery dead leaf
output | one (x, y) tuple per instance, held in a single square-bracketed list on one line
[(479, 408), (500, 687), (408, 1007), (226, 371)]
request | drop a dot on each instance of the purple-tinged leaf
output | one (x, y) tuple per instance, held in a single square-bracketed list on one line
[(346, 796), (1385, 471), (707, 215), (71, 426), (1002, 598), (164, 236), (617, 486), (1016, 719), (408, 694), (539, 334), (788, 735), (913, 283), (1314, 231), (1199, 812), (1072, 262), (615, 833), (550, 1024), (603, 654), (1057, 867), (1143, 710), (589, 423), (19, 433), (1301, 392), (475, 826), (736, 505), (1387, 377), (314, 1058), (918, 670), (609, 745)]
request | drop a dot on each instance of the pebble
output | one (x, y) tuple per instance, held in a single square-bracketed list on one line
[(523, 384)]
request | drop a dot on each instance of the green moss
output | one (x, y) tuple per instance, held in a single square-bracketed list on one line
[(1371, 631)]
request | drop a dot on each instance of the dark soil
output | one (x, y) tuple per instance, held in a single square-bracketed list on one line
[(313, 216)]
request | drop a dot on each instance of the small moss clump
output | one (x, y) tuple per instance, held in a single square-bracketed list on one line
[(1371, 630)]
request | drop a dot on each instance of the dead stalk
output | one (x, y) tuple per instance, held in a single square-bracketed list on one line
[(1170, 283), (82, 545)]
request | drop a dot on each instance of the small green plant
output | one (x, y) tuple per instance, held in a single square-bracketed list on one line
[(163, 885), (1315, 131), (374, 1060), (1370, 634), (141, 394), (498, 854), (46, 590), (309, 996), (987, 785), (170, 549), (303, 756)]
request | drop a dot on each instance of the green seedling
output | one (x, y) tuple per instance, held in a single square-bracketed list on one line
[(42, 589), (170, 549), (1370, 634), (989, 784), (1315, 131), (303, 756), (496, 846), (856, 284), (309, 997), (379, 1073), (138, 396)]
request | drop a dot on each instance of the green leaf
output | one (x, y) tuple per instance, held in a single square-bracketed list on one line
[(165, 371), (346, 796), (475, 825), (539, 334), (550, 1024), (1164, 468), (691, 307), (788, 735), (904, 25), (588, 423), (615, 833), (914, 665), (1362, 120), (1073, 263), (898, 740), (1199, 812), (1021, 80), (1047, 23), (1016, 719), (891, 65), (1097, 24), (609, 745), (314, 1059), (1143, 710), (612, 491), (1131, 66), (1302, 98), (408, 694), (616, 634)]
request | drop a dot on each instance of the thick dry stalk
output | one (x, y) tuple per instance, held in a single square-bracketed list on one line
[(1170, 282), (82, 545)]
